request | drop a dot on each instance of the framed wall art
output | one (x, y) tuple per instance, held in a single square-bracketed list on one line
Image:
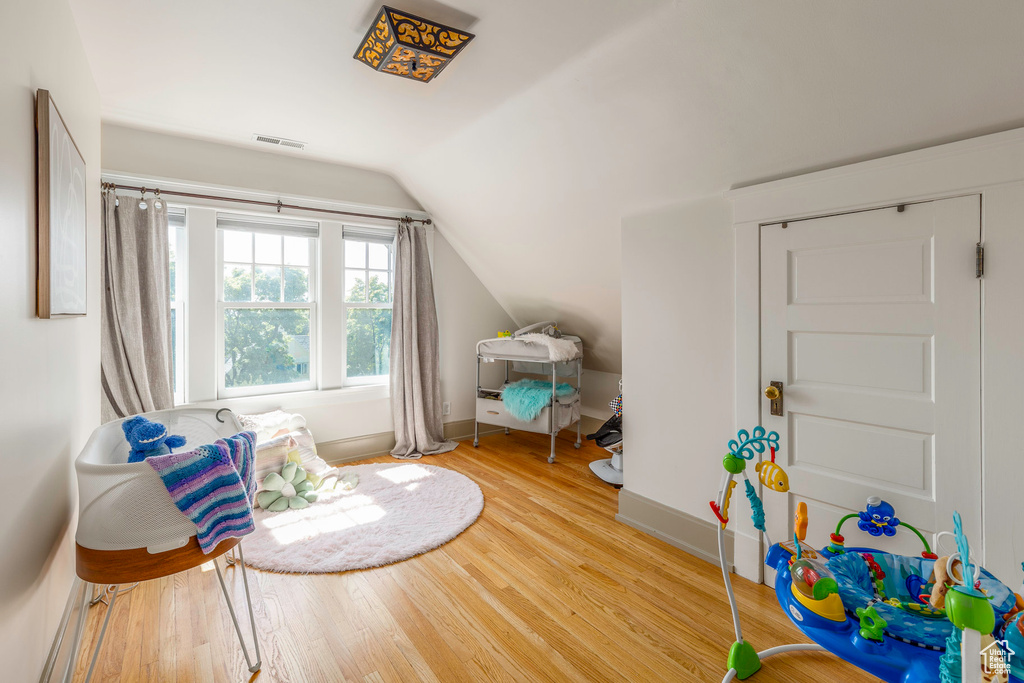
[(61, 238)]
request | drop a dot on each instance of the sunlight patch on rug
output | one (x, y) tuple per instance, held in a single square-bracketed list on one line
[(396, 512)]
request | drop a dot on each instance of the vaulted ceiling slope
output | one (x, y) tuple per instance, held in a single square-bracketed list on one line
[(562, 117)]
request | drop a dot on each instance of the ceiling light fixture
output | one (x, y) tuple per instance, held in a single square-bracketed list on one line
[(409, 46)]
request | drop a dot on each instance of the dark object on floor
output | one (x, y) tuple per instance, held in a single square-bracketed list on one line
[(608, 434)]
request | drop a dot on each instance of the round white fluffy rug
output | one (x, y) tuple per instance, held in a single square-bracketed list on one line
[(397, 511)]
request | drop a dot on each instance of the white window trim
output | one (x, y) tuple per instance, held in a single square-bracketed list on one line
[(203, 350), (224, 392), (365, 234), (180, 306)]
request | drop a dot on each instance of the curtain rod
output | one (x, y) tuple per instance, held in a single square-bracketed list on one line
[(278, 204)]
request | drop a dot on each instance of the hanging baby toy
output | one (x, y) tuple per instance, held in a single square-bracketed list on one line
[(741, 449), (878, 518), (743, 658)]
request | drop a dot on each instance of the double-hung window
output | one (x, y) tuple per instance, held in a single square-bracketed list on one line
[(267, 305), (179, 283), (369, 286)]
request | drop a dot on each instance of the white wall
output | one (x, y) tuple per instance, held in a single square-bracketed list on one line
[(466, 311), (157, 155), (49, 394), (677, 342), (598, 389)]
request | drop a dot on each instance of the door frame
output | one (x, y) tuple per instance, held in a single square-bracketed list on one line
[(984, 165)]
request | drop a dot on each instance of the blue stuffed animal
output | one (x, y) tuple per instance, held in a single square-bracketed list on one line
[(148, 438), (879, 518)]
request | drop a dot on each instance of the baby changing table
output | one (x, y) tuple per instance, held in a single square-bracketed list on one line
[(530, 358)]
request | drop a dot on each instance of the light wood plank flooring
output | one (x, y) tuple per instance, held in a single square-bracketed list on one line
[(545, 586)]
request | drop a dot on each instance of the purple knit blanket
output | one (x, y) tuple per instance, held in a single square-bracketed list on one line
[(213, 485)]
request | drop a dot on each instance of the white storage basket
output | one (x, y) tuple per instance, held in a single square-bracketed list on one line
[(124, 505), (494, 412)]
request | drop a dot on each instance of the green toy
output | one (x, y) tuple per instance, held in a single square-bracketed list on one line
[(732, 464), (970, 608), (872, 626), (743, 657)]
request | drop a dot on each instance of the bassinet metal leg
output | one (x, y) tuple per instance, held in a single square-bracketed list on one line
[(476, 434), (253, 668), (103, 632)]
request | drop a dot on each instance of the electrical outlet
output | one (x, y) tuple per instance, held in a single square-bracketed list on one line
[(446, 408)]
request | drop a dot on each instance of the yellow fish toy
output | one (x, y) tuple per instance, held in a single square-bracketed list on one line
[(772, 476)]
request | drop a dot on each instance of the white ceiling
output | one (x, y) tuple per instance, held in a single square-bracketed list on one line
[(561, 117)]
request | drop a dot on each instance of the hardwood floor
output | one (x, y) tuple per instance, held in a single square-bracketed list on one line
[(545, 586)]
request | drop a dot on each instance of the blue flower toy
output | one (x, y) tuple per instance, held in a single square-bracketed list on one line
[(879, 518)]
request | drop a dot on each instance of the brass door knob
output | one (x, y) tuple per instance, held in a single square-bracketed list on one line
[(772, 393)]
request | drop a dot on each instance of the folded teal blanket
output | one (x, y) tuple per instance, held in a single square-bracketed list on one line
[(526, 398)]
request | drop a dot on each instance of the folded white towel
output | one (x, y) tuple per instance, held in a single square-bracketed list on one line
[(558, 349)]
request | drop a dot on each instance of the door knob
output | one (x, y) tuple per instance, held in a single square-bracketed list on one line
[(773, 392)]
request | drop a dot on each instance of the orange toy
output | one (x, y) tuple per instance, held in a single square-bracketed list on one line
[(800, 521)]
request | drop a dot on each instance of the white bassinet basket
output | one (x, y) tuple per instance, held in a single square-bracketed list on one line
[(125, 505), (129, 528)]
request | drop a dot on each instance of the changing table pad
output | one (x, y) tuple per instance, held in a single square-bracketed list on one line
[(516, 349)]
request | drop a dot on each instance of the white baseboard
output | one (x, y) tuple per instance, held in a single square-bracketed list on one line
[(60, 662), (684, 531), (367, 446), (356, 448)]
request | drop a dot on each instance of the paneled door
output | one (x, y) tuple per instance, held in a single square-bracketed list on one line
[(872, 323)]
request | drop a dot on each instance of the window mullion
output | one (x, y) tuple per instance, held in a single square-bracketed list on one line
[(252, 268)]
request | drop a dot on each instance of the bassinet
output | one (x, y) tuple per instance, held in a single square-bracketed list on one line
[(130, 530), (122, 505)]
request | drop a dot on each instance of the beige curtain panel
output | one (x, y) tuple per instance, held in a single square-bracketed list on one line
[(136, 326), (415, 356)]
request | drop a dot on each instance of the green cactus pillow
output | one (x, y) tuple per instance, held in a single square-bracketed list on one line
[(289, 489), (295, 488)]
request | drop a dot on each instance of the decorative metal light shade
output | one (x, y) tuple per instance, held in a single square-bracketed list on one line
[(405, 45)]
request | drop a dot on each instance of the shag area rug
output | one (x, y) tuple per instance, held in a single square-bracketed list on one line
[(397, 511)]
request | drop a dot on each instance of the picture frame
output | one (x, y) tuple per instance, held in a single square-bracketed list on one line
[(62, 272)]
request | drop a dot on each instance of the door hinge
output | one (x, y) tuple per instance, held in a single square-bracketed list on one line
[(979, 268)]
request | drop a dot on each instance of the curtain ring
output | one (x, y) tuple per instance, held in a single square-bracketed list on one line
[(158, 203), (142, 200)]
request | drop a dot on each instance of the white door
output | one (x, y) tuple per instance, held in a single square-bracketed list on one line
[(872, 322)]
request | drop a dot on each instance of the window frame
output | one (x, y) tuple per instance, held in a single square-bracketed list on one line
[(367, 236), (313, 384), (179, 304)]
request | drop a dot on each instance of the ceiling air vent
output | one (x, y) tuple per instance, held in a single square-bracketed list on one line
[(280, 142)]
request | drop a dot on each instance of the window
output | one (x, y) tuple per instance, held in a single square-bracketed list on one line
[(267, 305), (369, 285), (179, 280)]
